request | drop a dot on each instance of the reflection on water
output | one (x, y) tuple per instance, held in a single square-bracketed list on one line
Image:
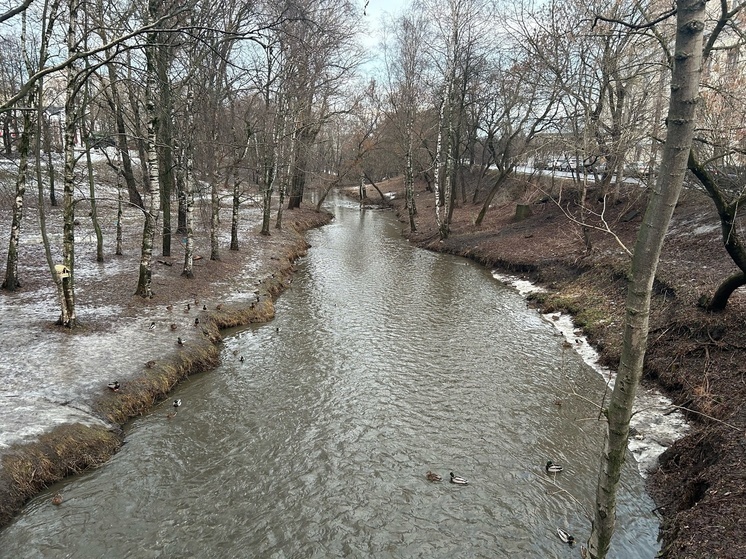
[(389, 362)]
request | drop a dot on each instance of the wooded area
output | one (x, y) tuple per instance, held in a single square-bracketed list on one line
[(250, 103)]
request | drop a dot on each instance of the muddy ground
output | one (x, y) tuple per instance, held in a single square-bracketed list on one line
[(696, 358)]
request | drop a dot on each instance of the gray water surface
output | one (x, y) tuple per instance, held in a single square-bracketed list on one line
[(384, 362)]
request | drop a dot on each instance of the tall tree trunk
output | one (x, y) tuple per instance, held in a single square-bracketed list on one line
[(86, 128), (188, 190), (48, 159), (12, 281), (66, 273), (166, 163), (214, 218), (437, 187), (681, 121), (144, 283), (409, 183), (235, 205)]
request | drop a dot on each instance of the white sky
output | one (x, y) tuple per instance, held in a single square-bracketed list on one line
[(372, 34)]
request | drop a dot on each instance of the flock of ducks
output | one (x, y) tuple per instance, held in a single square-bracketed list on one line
[(550, 468)]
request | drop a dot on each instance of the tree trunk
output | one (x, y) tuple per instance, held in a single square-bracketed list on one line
[(214, 219), (236, 203), (12, 282), (122, 143), (729, 230), (490, 195), (683, 102), (86, 128), (66, 278), (166, 163), (188, 190), (144, 283)]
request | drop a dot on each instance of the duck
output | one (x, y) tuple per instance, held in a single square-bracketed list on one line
[(220, 306), (179, 341), (57, 499), (241, 359), (152, 325), (188, 308), (150, 364), (114, 386), (173, 327), (458, 480), (177, 403), (432, 476), (565, 537), (196, 321), (553, 468), (204, 307)]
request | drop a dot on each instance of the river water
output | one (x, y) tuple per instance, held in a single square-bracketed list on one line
[(384, 362)]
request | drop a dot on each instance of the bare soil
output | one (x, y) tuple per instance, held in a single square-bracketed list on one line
[(696, 358)]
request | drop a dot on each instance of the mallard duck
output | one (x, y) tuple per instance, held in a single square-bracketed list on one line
[(565, 537), (150, 364), (458, 480), (204, 307), (114, 386), (188, 308), (152, 325), (57, 499), (179, 341), (432, 476), (241, 359), (196, 321), (553, 468), (173, 327), (177, 403)]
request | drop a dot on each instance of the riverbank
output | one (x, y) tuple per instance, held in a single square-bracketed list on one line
[(694, 357), (59, 416)]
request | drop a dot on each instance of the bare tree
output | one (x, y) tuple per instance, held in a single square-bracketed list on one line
[(681, 124)]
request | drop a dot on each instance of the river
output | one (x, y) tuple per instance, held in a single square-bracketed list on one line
[(384, 362)]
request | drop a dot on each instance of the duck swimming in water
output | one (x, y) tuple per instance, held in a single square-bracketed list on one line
[(432, 476), (458, 480), (553, 468), (114, 386), (565, 537)]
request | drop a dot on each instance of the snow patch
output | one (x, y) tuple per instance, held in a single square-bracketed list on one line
[(655, 424)]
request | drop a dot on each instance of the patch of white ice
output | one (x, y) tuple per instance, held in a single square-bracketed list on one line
[(655, 424)]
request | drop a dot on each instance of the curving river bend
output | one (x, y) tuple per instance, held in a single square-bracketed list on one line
[(389, 361)]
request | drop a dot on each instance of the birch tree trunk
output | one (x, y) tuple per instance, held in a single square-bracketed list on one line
[(236, 202), (409, 172), (144, 283), (188, 189), (681, 120), (66, 274)]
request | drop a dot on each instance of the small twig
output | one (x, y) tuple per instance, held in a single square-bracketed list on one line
[(708, 417)]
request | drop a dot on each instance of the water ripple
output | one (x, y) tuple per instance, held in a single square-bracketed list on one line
[(388, 362)]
